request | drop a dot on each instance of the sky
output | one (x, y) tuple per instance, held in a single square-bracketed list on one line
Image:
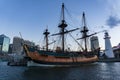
[(32, 17)]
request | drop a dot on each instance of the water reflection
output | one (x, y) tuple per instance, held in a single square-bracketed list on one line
[(97, 71), (46, 73), (66, 73), (109, 71)]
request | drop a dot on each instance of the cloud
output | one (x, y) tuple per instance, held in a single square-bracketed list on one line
[(113, 21), (113, 6), (114, 13)]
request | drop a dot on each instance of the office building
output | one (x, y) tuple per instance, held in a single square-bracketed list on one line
[(94, 43), (17, 46), (4, 43)]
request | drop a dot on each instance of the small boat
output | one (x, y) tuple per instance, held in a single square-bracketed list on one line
[(60, 57)]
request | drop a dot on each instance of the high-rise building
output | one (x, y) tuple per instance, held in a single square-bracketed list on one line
[(94, 43), (4, 43), (17, 46)]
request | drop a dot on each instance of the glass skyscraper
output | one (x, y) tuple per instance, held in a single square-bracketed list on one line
[(4, 43)]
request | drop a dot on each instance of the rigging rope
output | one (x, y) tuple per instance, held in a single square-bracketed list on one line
[(69, 15), (76, 42)]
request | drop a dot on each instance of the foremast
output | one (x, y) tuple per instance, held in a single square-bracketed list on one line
[(46, 33)]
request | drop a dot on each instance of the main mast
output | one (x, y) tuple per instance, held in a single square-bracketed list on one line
[(62, 25), (84, 31), (46, 33)]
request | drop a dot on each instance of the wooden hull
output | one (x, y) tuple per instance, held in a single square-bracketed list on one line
[(37, 57), (51, 61), (54, 64)]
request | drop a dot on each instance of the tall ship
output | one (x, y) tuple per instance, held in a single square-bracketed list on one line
[(60, 57)]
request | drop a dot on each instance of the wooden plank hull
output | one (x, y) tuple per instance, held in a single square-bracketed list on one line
[(50, 64), (37, 57), (38, 60)]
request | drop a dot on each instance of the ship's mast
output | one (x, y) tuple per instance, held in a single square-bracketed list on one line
[(84, 31), (46, 33), (62, 25)]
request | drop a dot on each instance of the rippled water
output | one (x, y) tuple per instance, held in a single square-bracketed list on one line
[(97, 71)]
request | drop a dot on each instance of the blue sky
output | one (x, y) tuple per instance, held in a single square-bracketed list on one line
[(31, 17)]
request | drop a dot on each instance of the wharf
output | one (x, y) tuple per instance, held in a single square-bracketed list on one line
[(109, 60)]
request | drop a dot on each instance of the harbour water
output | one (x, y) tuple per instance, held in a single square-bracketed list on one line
[(96, 71)]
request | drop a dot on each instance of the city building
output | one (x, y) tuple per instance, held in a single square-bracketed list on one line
[(4, 43), (17, 46), (94, 43), (10, 48), (116, 50), (29, 43)]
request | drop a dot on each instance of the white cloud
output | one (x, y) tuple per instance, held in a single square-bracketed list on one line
[(114, 7), (114, 33)]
